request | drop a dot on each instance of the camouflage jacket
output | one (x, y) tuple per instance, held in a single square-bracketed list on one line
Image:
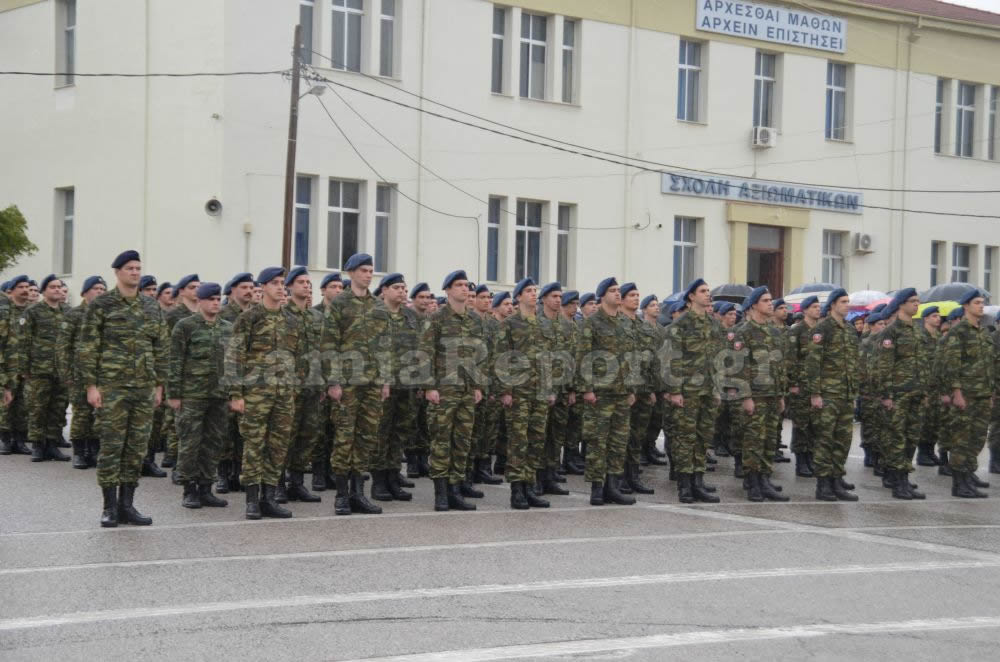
[(123, 343), (763, 370), (39, 339), (830, 368), (69, 340), (176, 314), (453, 343), (197, 354), (900, 360), (799, 337), (405, 329), (966, 360), (523, 351), (865, 370), (263, 351), (357, 341), (643, 361), (491, 329), (309, 368), (231, 311), (602, 355), (10, 313), (565, 337), (690, 357)]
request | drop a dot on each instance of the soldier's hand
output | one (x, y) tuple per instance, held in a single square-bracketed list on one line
[(94, 397), (385, 392), (479, 396), (433, 397), (551, 400), (631, 399), (174, 403), (888, 403), (794, 390), (677, 400), (157, 396), (749, 407), (652, 398), (958, 399), (8, 397), (946, 399), (816, 401), (590, 398), (571, 399), (238, 405), (781, 405), (335, 392), (507, 400)]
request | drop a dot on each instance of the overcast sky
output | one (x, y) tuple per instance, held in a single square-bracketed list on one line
[(989, 5)]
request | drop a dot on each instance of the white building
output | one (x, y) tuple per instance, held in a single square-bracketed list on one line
[(875, 102)]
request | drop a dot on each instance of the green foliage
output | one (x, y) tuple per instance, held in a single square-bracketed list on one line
[(14, 242)]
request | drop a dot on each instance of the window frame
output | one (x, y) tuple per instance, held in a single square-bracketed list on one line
[(308, 32), (833, 93), (529, 44), (683, 273), (563, 239), (965, 121), (391, 20), (65, 225), (961, 273), (989, 266), (493, 233), (383, 226), (66, 12), (306, 183), (834, 262), (497, 59), (522, 254), (342, 210), (343, 7), (936, 247), (991, 109), (939, 113), (571, 27), (685, 71), (763, 82)]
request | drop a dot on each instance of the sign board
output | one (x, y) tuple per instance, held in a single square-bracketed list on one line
[(755, 190), (779, 25)]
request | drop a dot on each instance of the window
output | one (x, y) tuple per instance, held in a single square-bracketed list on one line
[(342, 222), (66, 201), (386, 36), (960, 258), (568, 51), (989, 258), (685, 243), (836, 102), (688, 81), (383, 216), (499, 39), (533, 56), (529, 240), (493, 240), (991, 145), (965, 119), (347, 16), (938, 109), (562, 243), (67, 55), (303, 218), (936, 247), (306, 8), (833, 257), (763, 89)]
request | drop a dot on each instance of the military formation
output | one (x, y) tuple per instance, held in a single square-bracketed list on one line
[(253, 385)]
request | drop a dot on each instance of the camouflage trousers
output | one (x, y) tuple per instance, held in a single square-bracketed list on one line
[(968, 433), (495, 430), (639, 417), (81, 425), (692, 429), (994, 436), (478, 434), (606, 432), (655, 423), (801, 414), (421, 441), (156, 430), (450, 426), (123, 424), (902, 431), (46, 399), (932, 432), (168, 433), (266, 428), (306, 429), (202, 427), (324, 445), (834, 428), (574, 426), (758, 435), (872, 423), (526, 420), (356, 419), (557, 432), (396, 426), (15, 414)]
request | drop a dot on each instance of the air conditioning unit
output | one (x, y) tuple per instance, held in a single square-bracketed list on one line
[(763, 137), (863, 243)]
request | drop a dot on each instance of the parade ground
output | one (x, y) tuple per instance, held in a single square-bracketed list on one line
[(882, 578)]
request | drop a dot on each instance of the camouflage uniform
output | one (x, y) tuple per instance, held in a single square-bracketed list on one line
[(16, 420), (763, 379), (195, 377), (935, 409), (81, 426), (557, 433), (398, 422), (480, 420), (799, 409), (45, 392), (307, 426), (646, 342), (168, 431), (873, 414), (323, 447), (967, 363), (232, 444), (494, 409), (994, 435), (830, 370), (123, 351), (900, 367)]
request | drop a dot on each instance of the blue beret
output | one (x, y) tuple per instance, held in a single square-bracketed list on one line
[(626, 288), (441, 300), (390, 279), (903, 295), (358, 260), (499, 297), (458, 274), (295, 273), (692, 286), (270, 273), (879, 308), (965, 299), (890, 309), (569, 296), (587, 297), (779, 302), (347, 283), (726, 307), (177, 291), (164, 285), (418, 288), (245, 277), (91, 282), (677, 306), (603, 286), (808, 301), (875, 317), (754, 297), (549, 288), (4, 288), (649, 298), (187, 280), (929, 310), (958, 313), (329, 278), (209, 290), (147, 281), (123, 258), (17, 280), (834, 295), (46, 281), (482, 287), (33, 283), (519, 288)]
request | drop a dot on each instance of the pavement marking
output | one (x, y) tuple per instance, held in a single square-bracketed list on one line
[(692, 638), (478, 591)]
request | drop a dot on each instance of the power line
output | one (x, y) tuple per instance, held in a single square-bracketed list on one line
[(193, 74)]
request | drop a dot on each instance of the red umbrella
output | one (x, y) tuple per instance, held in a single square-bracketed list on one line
[(877, 302)]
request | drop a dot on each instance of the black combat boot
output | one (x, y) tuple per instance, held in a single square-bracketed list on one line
[(944, 469), (699, 478), (684, 492), (6, 443), (802, 466), (571, 461), (455, 500), (549, 483), (380, 490), (127, 513), (467, 490), (656, 458), (208, 499), (79, 454), (500, 465), (61, 442), (175, 478), (768, 490), (889, 478), (900, 485), (52, 451), (412, 465), (844, 485), (869, 462), (961, 488), (168, 462), (149, 467), (971, 480), (20, 443), (699, 491), (342, 502), (191, 498), (597, 493), (234, 477), (613, 493), (296, 490), (841, 492), (809, 461), (280, 491), (518, 500), (878, 464), (533, 493), (977, 481), (269, 506), (403, 480), (623, 485), (484, 474), (925, 455), (441, 494), (38, 451), (423, 464), (824, 489), (738, 465), (93, 451), (109, 515), (753, 487), (222, 477), (672, 471), (359, 502), (395, 487), (767, 479), (633, 480), (253, 502), (319, 476), (994, 460), (780, 457)]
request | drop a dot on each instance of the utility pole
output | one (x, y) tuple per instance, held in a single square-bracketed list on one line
[(293, 130)]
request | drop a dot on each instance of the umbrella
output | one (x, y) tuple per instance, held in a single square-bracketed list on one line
[(865, 297), (944, 307), (872, 305), (813, 288), (731, 292), (676, 296), (794, 301), (949, 292)]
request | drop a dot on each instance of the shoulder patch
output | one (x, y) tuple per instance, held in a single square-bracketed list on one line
[(21, 321), (737, 345), (887, 343), (730, 336), (817, 338)]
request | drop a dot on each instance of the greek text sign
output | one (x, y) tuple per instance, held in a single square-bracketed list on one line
[(771, 23), (753, 190)]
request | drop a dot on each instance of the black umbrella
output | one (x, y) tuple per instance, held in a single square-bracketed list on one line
[(950, 292), (731, 292), (814, 287)]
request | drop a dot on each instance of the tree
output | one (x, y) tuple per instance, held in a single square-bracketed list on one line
[(14, 242)]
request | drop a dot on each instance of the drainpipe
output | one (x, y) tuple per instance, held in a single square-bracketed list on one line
[(145, 144), (627, 203)]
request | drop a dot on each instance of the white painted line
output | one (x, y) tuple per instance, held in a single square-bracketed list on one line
[(133, 613), (694, 638)]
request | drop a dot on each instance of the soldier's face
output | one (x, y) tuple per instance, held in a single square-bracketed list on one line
[(432, 307), (333, 288), (301, 287), (878, 327), (506, 308), (94, 292), (190, 291), (33, 293), (130, 273), (529, 296), (483, 300), (841, 306), (53, 293), (652, 310), (765, 305), (812, 312), (363, 276), (242, 293), (552, 301), (459, 291), (395, 294), (612, 296), (166, 296), (422, 301), (909, 307), (569, 310), (975, 307), (933, 321), (702, 296), (258, 294), (210, 306), (64, 292), (631, 301), (781, 313), (729, 319), (589, 308), (273, 292), (20, 293), (150, 291)]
